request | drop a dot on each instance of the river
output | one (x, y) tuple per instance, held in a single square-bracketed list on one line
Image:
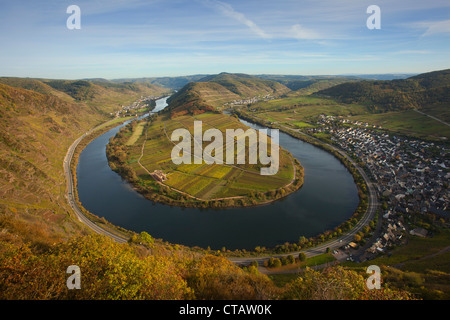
[(327, 198)]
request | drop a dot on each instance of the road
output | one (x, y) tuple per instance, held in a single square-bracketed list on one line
[(70, 191), (432, 117), (332, 245), (343, 240)]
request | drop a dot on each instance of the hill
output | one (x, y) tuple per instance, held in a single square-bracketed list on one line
[(417, 92), (103, 95), (37, 125), (214, 91), (308, 84)]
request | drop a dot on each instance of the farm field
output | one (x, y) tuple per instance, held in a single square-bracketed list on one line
[(302, 112), (149, 146), (409, 123)]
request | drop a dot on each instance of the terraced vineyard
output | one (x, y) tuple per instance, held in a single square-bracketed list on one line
[(200, 182)]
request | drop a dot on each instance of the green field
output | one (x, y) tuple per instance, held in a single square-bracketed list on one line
[(301, 112), (408, 122), (202, 181)]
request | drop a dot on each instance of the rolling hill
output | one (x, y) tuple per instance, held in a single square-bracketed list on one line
[(103, 95), (39, 120), (417, 92), (213, 91)]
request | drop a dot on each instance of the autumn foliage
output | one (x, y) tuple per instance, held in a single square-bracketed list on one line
[(108, 271)]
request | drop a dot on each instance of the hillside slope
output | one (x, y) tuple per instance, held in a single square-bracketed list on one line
[(213, 91), (104, 95), (417, 92), (36, 129)]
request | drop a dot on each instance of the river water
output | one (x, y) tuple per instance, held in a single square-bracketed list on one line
[(327, 198)]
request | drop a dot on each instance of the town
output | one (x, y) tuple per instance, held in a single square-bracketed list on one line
[(411, 175), (144, 103)]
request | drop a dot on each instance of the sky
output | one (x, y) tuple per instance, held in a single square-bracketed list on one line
[(154, 38)]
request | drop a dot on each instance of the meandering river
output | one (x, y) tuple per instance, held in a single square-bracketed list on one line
[(327, 198)]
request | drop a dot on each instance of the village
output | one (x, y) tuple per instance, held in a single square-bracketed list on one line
[(249, 101), (411, 175), (141, 103)]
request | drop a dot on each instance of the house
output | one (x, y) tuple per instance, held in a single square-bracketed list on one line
[(158, 175), (353, 245), (421, 232)]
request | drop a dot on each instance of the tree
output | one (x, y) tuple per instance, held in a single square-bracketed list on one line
[(276, 263), (291, 259), (146, 239), (302, 256), (302, 240), (357, 238)]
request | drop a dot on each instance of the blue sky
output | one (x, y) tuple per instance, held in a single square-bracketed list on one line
[(121, 39)]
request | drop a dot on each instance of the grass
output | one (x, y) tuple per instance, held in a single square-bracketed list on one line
[(303, 125), (302, 111), (408, 122), (136, 134)]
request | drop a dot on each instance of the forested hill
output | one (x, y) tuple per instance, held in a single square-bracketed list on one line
[(39, 120), (424, 90), (213, 91), (104, 95)]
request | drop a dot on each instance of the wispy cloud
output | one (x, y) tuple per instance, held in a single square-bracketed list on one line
[(227, 10), (436, 27), (301, 33)]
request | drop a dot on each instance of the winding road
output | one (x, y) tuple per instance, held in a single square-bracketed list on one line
[(337, 243), (70, 191), (344, 239)]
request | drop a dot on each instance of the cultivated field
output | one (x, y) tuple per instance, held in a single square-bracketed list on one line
[(202, 181)]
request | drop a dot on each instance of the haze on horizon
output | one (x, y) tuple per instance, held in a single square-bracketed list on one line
[(130, 39)]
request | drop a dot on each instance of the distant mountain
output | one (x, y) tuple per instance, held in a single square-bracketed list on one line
[(213, 91), (382, 76), (428, 89), (174, 83)]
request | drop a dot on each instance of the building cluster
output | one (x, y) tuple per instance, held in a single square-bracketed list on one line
[(393, 234), (249, 100), (411, 175), (135, 106)]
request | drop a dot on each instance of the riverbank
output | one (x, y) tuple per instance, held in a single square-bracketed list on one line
[(304, 213), (217, 179)]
